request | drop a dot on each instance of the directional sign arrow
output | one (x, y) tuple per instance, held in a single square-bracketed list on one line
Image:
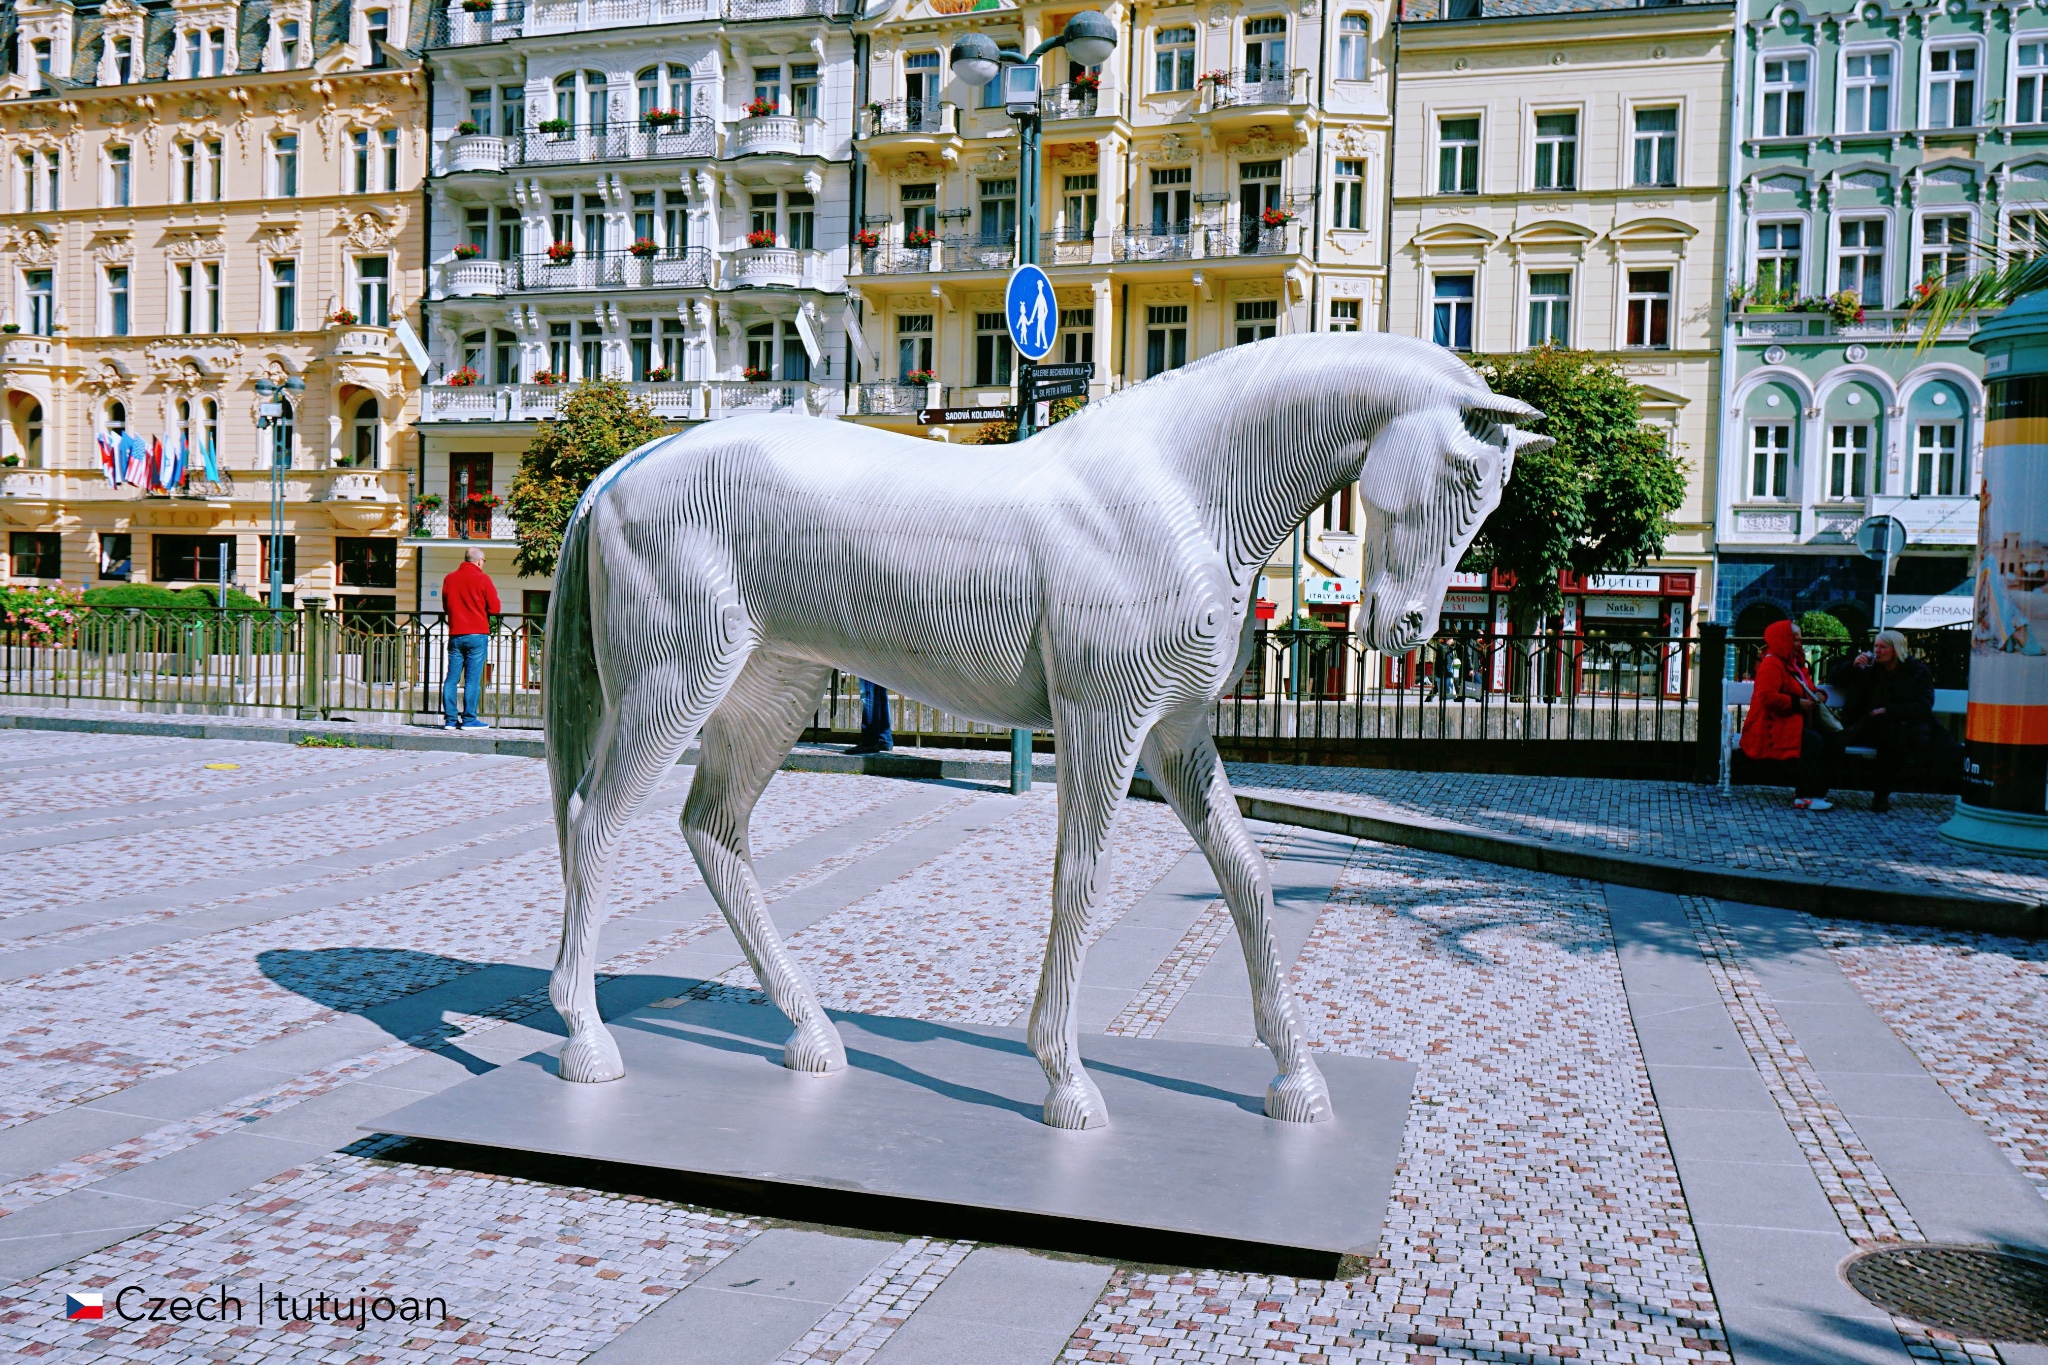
[(1068, 388), (938, 417), (1084, 370)]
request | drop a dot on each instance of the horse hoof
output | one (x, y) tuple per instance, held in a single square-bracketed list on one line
[(1299, 1096), (815, 1048), (591, 1056), (1077, 1104)]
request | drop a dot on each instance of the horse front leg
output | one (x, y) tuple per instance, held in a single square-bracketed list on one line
[(1183, 763), (1097, 756)]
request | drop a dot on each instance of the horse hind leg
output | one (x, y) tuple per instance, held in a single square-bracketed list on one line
[(744, 743), (657, 712), (1182, 761)]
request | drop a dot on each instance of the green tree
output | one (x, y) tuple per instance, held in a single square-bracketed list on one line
[(1598, 501), (600, 423)]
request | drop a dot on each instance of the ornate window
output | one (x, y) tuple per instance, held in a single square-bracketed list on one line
[(1354, 47), (1173, 56), (1781, 112)]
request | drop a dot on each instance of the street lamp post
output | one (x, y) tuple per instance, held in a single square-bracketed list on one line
[(268, 416), (1088, 38)]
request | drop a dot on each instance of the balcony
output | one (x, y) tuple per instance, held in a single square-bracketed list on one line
[(1254, 87), (27, 350), (477, 279), (518, 18), (733, 398), (1068, 101), (899, 400), (1886, 326), (771, 267), (25, 495), (1215, 241), (775, 135), (475, 152), (887, 118), (888, 259), (1250, 239), (1156, 246), (586, 143), (976, 253), (677, 401), (1061, 249), (689, 268), (438, 523), (375, 343)]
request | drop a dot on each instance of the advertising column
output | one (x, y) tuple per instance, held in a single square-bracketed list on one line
[(2005, 787)]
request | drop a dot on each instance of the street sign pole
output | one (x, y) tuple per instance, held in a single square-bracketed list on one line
[(1027, 254)]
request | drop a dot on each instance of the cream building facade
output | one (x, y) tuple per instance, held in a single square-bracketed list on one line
[(1220, 178), (200, 197), (1562, 179)]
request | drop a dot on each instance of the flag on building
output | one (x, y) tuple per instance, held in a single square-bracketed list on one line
[(107, 465)]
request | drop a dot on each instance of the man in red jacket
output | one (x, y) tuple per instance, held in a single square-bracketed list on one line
[(471, 600)]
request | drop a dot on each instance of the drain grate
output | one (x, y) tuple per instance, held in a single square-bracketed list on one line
[(1974, 1292)]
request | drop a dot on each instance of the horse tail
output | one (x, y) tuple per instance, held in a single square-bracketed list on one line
[(572, 696)]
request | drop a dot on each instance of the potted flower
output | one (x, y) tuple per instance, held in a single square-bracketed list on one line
[(10, 328), (918, 237), (921, 377), (754, 374), (1844, 307), (662, 118), (660, 374), (342, 317), (1922, 292), (469, 127), (462, 378), (477, 6), (480, 502), (554, 127), (759, 107), (868, 239), (1086, 83), (1215, 78), (10, 461), (761, 237), (1764, 299), (1274, 218), (467, 251), (561, 253), (643, 247), (545, 377)]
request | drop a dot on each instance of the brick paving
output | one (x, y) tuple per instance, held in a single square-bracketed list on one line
[(1748, 827), (1536, 1213)]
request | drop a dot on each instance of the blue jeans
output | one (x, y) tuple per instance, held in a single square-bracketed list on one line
[(465, 681), (874, 715)]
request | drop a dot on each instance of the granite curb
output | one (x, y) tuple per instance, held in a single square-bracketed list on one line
[(1829, 899)]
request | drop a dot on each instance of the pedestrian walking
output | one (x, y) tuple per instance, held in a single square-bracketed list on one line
[(1783, 726), (1890, 705), (875, 734), (471, 600)]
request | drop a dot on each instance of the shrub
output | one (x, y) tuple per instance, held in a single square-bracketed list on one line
[(131, 595), (45, 612), (1817, 626)]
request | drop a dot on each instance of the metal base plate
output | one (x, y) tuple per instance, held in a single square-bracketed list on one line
[(935, 1128)]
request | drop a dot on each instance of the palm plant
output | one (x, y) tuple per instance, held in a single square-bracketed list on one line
[(2005, 277)]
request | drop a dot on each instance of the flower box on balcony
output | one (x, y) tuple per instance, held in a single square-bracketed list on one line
[(10, 328), (1086, 83), (1215, 78), (467, 251), (660, 374), (759, 107), (918, 237), (755, 375), (476, 6), (561, 253), (662, 118), (553, 127), (342, 318), (481, 502), (1274, 218), (868, 239), (468, 128), (762, 238), (921, 377), (461, 379), (643, 247), (546, 377)]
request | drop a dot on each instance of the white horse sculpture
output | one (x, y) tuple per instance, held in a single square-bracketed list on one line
[(1092, 580)]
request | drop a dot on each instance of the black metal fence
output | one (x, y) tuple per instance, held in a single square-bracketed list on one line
[(1609, 705)]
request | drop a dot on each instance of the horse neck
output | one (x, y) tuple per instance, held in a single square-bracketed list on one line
[(1275, 447)]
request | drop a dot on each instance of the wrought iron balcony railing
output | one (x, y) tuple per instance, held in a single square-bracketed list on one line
[(668, 268), (884, 117), (1069, 101), (1256, 85), (457, 25)]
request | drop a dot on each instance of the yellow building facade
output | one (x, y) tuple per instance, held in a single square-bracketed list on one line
[(1219, 179), (212, 240), (1561, 179)]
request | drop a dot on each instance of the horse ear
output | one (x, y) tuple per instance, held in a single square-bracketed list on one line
[(1519, 441), (1503, 409)]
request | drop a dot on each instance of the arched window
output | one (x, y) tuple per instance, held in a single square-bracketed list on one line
[(679, 96), (117, 417), (369, 436), (1854, 430), (281, 435), (184, 425), (1938, 458), (208, 449), (32, 435), (1354, 36), (565, 99), (647, 86), (1773, 461), (596, 101)]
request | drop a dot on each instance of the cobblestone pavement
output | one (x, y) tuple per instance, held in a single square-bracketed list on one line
[(1748, 827), (1537, 1213)]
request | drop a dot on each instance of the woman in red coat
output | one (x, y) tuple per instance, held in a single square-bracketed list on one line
[(1779, 728)]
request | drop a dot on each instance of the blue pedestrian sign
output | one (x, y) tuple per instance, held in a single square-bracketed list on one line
[(1032, 312)]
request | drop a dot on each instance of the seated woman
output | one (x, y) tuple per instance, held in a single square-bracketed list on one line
[(1890, 704), (1780, 728)]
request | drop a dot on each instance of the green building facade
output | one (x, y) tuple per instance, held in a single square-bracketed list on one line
[(1877, 146)]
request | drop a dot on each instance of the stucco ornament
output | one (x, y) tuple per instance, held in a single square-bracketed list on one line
[(1095, 580)]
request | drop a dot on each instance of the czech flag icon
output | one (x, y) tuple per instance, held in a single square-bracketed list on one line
[(84, 1307)]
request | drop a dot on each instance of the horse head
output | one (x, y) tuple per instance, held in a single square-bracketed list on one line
[(1429, 480)]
